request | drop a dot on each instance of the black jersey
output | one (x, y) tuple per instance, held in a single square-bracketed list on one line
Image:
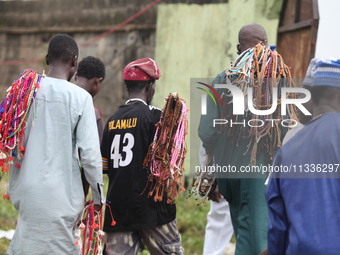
[(127, 136)]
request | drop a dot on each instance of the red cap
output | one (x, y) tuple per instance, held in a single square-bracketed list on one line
[(143, 69)]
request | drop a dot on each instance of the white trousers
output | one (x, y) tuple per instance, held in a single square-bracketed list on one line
[(219, 229)]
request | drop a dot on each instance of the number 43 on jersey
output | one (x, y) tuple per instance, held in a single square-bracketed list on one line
[(121, 150)]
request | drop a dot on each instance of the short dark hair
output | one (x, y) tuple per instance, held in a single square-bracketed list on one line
[(326, 92), (137, 86), (62, 48), (91, 67)]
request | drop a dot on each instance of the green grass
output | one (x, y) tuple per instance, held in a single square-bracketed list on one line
[(191, 221), (8, 215), (3, 245)]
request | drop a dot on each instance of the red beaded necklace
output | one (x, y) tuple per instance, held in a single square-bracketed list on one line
[(13, 114)]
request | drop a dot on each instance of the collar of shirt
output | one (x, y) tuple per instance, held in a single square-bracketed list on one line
[(135, 99)]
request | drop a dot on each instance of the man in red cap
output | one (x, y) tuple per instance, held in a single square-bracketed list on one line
[(127, 136)]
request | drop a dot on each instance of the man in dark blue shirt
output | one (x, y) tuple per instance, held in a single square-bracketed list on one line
[(304, 200)]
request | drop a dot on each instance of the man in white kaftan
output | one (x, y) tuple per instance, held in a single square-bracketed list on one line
[(47, 189)]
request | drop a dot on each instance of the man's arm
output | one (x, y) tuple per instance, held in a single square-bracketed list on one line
[(100, 124), (206, 130), (88, 144), (86, 185), (277, 221)]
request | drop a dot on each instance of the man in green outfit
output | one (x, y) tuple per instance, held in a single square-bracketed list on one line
[(246, 196)]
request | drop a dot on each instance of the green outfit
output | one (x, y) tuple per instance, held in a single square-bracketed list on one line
[(246, 196)]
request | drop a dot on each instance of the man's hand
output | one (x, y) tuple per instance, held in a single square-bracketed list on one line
[(97, 208), (216, 195), (264, 252)]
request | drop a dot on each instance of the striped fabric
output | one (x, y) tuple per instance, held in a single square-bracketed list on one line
[(105, 165)]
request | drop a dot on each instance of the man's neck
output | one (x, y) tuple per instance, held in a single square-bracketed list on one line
[(58, 72), (321, 109), (137, 96)]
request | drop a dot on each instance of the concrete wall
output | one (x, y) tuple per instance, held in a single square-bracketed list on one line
[(199, 41), (115, 51), (196, 41), (27, 26)]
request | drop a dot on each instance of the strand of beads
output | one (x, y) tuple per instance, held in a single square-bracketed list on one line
[(13, 115), (262, 70), (166, 154)]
